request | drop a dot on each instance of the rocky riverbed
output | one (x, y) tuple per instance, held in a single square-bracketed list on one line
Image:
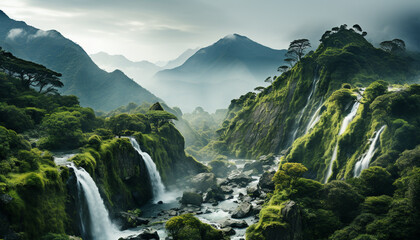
[(230, 201)]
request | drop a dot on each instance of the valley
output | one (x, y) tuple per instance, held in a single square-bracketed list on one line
[(202, 148)]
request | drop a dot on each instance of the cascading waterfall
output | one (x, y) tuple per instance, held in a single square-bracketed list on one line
[(100, 224), (346, 122), (156, 181), (363, 163), (315, 118), (302, 112)]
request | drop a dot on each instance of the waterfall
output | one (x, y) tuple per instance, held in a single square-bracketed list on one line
[(315, 118), (364, 162), (100, 224), (156, 181), (346, 121), (302, 112)]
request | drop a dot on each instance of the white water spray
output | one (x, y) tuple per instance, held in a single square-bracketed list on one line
[(346, 122), (302, 112), (315, 118), (363, 163), (156, 181), (100, 223)]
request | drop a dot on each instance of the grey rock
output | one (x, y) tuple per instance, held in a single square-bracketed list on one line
[(240, 179), (243, 210), (228, 231), (234, 223), (147, 234), (203, 181), (266, 183), (192, 198)]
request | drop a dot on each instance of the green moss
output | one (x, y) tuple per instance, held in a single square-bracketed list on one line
[(188, 227)]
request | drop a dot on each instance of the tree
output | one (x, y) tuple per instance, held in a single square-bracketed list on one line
[(364, 34), (158, 118), (393, 46), (259, 88), (290, 61), (30, 74), (357, 27), (325, 36), (268, 80), (283, 68), (297, 48)]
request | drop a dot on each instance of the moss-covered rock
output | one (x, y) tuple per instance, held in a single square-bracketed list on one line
[(188, 227)]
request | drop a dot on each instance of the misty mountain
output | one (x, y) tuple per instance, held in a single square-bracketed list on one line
[(217, 73), (141, 72), (81, 76), (180, 59)]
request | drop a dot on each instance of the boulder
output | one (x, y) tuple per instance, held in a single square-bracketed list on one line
[(147, 234), (192, 198), (267, 160), (243, 210), (253, 191), (203, 181), (214, 195), (256, 167), (226, 189), (233, 223), (240, 179), (228, 231), (266, 182), (129, 220)]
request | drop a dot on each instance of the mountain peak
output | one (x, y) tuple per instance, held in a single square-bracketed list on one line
[(3, 14), (235, 36)]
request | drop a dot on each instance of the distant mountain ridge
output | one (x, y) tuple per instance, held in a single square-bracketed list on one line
[(218, 73), (81, 76)]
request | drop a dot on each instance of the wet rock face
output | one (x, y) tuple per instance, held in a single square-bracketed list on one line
[(292, 215), (243, 210), (203, 181), (266, 183)]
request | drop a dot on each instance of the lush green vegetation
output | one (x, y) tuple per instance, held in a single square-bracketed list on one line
[(188, 227), (34, 197), (377, 205), (264, 123)]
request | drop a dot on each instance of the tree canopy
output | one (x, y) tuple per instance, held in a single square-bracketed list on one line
[(297, 48), (30, 74)]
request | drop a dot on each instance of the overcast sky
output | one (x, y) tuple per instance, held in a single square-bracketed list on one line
[(162, 29)]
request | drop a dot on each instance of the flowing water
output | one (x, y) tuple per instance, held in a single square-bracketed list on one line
[(302, 112), (346, 122), (363, 163), (315, 118), (156, 181), (101, 227)]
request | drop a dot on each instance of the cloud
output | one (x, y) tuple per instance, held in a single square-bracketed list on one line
[(16, 33), (161, 30), (40, 34)]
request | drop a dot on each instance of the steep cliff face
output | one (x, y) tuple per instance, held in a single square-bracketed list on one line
[(271, 120), (121, 174), (390, 118)]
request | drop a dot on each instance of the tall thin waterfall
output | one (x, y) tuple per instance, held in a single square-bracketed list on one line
[(100, 224), (156, 181), (346, 122), (363, 163), (315, 118), (302, 112)]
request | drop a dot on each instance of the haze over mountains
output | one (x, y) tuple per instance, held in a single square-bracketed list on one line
[(217, 73), (81, 77), (141, 72)]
